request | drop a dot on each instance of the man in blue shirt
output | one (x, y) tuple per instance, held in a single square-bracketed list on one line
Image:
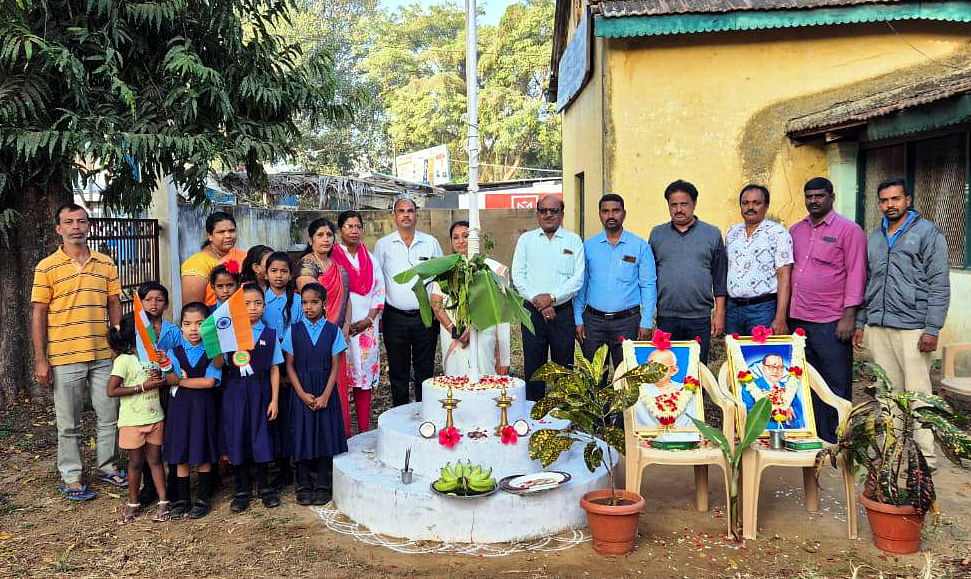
[(619, 288), (547, 270)]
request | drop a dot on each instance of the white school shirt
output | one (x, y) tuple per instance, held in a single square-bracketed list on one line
[(394, 257)]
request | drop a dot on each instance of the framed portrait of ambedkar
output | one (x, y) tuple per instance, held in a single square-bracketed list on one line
[(773, 368), (667, 406)]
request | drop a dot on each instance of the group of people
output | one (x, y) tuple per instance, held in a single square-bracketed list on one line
[(821, 275), (285, 401), (316, 327)]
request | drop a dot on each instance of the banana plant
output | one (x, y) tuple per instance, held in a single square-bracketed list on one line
[(754, 425), (877, 437), (580, 396), (474, 295)]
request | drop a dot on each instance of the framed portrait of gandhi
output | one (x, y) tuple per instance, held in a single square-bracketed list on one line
[(667, 406), (773, 368)]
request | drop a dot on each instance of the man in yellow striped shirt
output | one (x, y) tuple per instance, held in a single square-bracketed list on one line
[(75, 291)]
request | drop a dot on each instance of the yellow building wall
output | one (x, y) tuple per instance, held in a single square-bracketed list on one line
[(705, 108), (583, 150)]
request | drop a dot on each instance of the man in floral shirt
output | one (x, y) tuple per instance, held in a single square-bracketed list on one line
[(759, 264)]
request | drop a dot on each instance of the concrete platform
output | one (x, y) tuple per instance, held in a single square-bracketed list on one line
[(369, 490)]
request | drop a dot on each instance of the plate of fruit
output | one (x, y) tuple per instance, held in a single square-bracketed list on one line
[(464, 481)]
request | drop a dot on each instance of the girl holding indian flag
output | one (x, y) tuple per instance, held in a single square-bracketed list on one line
[(251, 380)]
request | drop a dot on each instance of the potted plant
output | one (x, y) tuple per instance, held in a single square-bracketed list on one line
[(580, 396), (877, 437), (754, 425)]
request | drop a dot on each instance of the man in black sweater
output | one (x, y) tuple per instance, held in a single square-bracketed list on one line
[(692, 269)]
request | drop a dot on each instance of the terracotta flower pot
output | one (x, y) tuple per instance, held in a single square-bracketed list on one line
[(614, 528), (896, 528)]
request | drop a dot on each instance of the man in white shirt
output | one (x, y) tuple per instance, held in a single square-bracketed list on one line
[(759, 266), (408, 342), (547, 270)]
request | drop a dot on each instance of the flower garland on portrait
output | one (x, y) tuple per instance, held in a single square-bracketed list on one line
[(666, 407)]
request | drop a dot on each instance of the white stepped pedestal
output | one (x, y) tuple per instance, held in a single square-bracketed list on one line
[(368, 487)]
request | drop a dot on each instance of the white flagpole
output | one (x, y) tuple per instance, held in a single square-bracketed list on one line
[(472, 93)]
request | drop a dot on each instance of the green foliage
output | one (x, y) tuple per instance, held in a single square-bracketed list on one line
[(582, 396), (474, 295), (754, 425), (144, 90), (877, 437), (417, 58)]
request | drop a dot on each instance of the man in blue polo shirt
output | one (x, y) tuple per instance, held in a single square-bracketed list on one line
[(619, 287)]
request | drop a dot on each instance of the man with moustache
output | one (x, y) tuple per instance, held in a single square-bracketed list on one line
[(759, 264), (691, 271), (907, 296), (547, 270), (828, 277), (410, 345), (619, 287)]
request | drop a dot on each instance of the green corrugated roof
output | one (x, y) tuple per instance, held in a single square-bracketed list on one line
[(951, 11)]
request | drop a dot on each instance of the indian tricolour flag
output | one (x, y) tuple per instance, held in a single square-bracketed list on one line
[(228, 328), (144, 335)]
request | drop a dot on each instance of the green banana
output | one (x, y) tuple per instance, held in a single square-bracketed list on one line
[(445, 487)]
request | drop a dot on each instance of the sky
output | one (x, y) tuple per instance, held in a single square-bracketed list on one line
[(493, 8)]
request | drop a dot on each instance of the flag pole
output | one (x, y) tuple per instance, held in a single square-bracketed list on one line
[(472, 97)]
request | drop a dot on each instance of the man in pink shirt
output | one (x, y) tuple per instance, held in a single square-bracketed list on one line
[(828, 279)]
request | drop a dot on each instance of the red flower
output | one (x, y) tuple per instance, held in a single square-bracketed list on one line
[(449, 437), (509, 435), (232, 266), (800, 332), (661, 339), (691, 383), (620, 339), (666, 420), (735, 335), (760, 333), (796, 371), (698, 339)]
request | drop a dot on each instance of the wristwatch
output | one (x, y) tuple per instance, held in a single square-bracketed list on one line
[(552, 299)]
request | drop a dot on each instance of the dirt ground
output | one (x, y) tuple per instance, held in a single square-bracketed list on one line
[(42, 534)]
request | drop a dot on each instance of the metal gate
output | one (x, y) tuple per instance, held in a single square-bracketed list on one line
[(133, 245)]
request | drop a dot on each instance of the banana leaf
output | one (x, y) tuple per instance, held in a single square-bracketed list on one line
[(431, 268), (485, 301)]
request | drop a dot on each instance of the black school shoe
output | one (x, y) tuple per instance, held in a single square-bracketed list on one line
[(305, 497), (270, 498), (322, 496), (239, 503), (179, 509), (199, 509)]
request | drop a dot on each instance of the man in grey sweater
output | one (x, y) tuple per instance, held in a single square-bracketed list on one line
[(692, 270), (907, 295)]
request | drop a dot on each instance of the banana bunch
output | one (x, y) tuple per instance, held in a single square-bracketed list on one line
[(465, 478)]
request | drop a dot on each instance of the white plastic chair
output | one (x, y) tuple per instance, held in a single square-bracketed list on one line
[(951, 383), (640, 455), (756, 459)]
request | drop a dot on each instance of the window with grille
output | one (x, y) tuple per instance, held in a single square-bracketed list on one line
[(940, 180), (936, 171), (881, 163)]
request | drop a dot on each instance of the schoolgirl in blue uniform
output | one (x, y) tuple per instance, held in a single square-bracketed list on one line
[(254, 266), (224, 279), (191, 419), (282, 311), (250, 405), (314, 347)]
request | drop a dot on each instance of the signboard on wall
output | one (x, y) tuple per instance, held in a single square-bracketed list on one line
[(524, 197), (575, 64), (430, 166)]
